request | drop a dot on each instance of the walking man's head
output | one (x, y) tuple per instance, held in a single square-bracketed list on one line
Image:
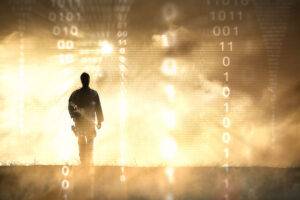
[(85, 79)]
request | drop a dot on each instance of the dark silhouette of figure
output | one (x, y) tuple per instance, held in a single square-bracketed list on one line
[(84, 107)]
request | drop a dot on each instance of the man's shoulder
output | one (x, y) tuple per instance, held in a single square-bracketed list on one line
[(94, 92), (75, 92), (81, 91)]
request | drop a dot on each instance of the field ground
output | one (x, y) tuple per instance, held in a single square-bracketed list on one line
[(189, 183)]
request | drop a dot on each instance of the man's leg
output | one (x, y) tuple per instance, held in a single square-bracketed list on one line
[(89, 149), (82, 149)]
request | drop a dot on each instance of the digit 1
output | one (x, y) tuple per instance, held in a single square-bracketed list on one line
[(226, 76), (226, 107)]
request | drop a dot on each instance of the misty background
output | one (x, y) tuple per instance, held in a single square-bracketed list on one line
[(45, 136)]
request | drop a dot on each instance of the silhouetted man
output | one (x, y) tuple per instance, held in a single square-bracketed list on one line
[(84, 106)]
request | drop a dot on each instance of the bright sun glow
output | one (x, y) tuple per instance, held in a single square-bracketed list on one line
[(106, 48)]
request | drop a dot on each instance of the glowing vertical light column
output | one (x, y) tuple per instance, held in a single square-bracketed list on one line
[(23, 10), (226, 22), (168, 144), (21, 85), (169, 69), (65, 17), (122, 9)]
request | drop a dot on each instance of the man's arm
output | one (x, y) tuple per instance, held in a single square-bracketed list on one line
[(72, 107), (99, 112)]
